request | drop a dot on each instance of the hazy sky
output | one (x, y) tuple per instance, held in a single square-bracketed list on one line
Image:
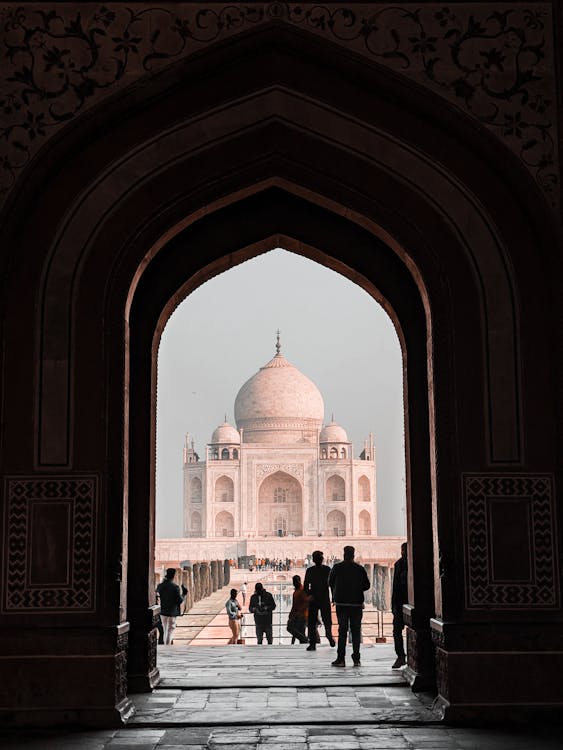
[(331, 330)]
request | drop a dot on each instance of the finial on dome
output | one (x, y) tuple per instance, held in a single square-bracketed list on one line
[(332, 417), (225, 417), (278, 345)]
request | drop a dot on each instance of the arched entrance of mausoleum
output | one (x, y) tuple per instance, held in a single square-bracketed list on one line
[(381, 185), (280, 506)]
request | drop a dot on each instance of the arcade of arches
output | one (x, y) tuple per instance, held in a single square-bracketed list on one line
[(431, 183)]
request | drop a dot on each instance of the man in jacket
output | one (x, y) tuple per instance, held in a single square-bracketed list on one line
[(316, 586), (348, 581), (170, 600), (399, 596), (262, 605)]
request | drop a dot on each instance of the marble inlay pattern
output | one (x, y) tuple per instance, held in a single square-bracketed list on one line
[(495, 63)]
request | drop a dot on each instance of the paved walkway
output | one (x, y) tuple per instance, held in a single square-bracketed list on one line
[(283, 684), (281, 698), (238, 698)]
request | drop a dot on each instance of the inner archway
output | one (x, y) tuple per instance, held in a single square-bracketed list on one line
[(380, 183), (280, 506)]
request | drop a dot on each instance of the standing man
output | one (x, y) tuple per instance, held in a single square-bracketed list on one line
[(262, 605), (316, 586), (170, 600), (399, 596), (243, 592), (348, 581)]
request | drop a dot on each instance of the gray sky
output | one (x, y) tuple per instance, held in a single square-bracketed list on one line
[(331, 330)]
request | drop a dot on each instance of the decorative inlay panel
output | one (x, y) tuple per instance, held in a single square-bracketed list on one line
[(78, 546), (263, 470), (494, 62), (540, 590), (120, 676)]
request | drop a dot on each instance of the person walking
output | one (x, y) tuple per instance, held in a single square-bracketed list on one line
[(234, 615), (316, 587), (348, 581), (243, 592), (399, 596), (262, 605), (170, 599), (297, 620)]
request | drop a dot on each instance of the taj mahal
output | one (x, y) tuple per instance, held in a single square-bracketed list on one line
[(280, 472)]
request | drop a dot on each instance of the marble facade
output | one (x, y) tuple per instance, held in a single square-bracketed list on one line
[(281, 473)]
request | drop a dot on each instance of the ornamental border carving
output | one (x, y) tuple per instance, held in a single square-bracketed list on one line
[(79, 595), (264, 470), (494, 62), (543, 591)]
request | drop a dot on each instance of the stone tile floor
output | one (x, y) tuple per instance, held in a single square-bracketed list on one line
[(283, 698), (265, 737)]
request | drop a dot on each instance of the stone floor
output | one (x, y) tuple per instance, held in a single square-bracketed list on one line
[(283, 698)]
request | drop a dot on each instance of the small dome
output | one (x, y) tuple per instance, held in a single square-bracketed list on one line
[(333, 433), (225, 433)]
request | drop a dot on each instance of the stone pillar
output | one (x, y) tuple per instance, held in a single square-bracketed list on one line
[(190, 587), (214, 575), (220, 574), (505, 663), (226, 573), (197, 582), (205, 579), (143, 673)]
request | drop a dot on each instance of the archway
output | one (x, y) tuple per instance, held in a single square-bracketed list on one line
[(196, 525), (382, 184), (280, 506), (364, 491), (336, 523), (224, 490), (335, 489), (365, 523), (224, 524)]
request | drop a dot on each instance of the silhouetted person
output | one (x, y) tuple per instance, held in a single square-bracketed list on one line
[(234, 615), (399, 596), (348, 581), (316, 586), (170, 600), (297, 620), (262, 605)]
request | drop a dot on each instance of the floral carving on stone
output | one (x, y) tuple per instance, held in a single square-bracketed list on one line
[(494, 62), (263, 470)]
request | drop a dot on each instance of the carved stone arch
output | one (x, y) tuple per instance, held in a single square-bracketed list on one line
[(335, 488), (224, 490), (336, 523), (280, 505), (485, 252), (196, 527), (364, 489), (370, 176), (364, 519), (224, 524), (196, 489)]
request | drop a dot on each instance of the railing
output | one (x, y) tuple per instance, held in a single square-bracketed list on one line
[(376, 625)]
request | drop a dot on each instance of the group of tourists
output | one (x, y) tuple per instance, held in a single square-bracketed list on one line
[(264, 563), (346, 581)]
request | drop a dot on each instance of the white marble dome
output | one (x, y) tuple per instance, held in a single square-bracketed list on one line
[(333, 433), (225, 433), (279, 399)]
